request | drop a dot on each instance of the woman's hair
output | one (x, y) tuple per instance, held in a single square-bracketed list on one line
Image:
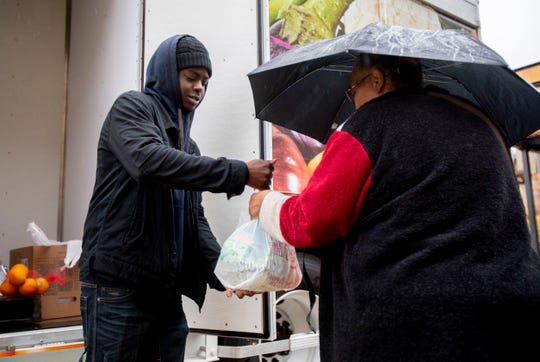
[(404, 72)]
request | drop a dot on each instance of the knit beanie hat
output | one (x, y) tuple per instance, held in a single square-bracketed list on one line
[(191, 53)]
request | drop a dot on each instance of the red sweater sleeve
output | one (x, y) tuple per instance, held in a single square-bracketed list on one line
[(331, 202)]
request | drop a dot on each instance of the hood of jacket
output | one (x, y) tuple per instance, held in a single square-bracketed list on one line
[(162, 77)]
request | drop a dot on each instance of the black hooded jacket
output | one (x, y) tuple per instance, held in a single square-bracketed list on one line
[(129, 229)]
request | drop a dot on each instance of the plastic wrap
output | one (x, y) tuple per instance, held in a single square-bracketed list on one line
[(251, 260)]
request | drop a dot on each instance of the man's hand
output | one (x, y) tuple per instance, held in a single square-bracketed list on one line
[(260, 173), (239, 293), (255, 202)]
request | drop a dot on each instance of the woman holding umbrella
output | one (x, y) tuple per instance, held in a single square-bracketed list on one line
[(427, 254)]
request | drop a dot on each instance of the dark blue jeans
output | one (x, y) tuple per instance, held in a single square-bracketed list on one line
[(120, 324)]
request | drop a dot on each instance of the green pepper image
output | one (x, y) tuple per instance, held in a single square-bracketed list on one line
[(313, 20), (277, 8)]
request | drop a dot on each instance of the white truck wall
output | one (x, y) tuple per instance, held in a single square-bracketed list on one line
[(32, 104), (104, 61)]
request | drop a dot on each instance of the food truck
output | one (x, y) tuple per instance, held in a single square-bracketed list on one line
[(64, 62)]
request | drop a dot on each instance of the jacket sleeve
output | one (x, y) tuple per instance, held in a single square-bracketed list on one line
[(331, 202), (142, 147)]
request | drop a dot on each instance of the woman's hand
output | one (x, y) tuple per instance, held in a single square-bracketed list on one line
[(255, 203)]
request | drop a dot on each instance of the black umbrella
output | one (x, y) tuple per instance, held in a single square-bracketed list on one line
[(303, 89)]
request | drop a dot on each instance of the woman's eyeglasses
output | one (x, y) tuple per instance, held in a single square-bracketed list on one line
[(350, 92)]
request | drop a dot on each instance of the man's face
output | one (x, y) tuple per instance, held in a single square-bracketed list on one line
[(193, 83)]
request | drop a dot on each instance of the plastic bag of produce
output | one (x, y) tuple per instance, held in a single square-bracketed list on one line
[(251, 260)]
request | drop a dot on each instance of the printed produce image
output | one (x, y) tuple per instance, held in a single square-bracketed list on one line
[(297, 22), (296, 157)]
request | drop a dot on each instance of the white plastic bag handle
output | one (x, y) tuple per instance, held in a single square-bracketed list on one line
[(38, 235), (73, 253)]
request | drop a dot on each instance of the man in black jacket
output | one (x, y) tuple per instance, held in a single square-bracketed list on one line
[(146, 240)]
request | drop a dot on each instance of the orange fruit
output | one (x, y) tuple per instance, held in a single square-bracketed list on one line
[(314, 162), (42, 285), (29, 287), (6, 288), (17, 274)]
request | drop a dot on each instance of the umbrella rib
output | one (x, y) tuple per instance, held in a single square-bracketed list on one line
[(450, 65)]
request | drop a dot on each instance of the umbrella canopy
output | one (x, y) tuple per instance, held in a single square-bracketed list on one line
[(303, 89)]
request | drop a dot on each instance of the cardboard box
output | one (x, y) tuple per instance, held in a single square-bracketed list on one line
[(60, 301)]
